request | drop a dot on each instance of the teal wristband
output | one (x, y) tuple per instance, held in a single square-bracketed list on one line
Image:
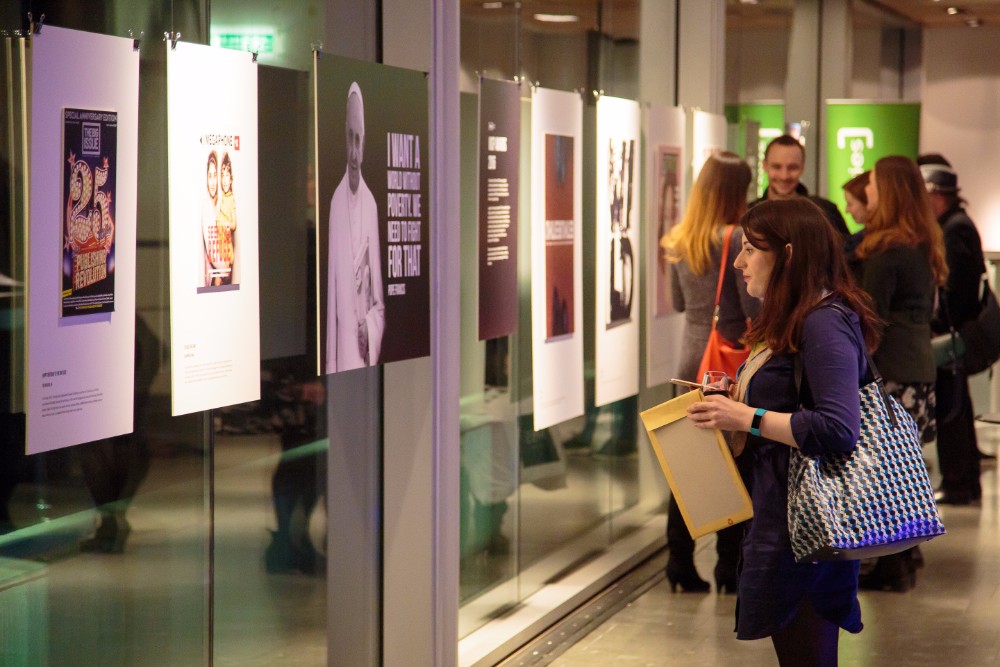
[(758, 414)]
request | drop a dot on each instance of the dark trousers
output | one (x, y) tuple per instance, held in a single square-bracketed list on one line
[(958, 452), (681, 545)]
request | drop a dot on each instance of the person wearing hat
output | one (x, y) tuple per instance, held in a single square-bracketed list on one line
[(958, 452)]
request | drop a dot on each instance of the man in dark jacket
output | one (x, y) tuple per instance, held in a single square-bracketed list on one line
[(784, 161), (958, 453)]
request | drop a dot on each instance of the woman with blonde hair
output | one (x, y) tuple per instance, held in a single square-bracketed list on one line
[(902, 264), (694, 249)]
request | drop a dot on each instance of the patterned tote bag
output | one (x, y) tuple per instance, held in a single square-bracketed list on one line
[(874, 501)]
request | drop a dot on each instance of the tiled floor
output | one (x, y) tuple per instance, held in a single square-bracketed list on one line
[(952, 617)]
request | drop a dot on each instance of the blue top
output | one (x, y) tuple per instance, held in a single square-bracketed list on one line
[(772, 585)]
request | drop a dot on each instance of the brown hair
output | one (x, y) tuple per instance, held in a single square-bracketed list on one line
[(718, 198), (799, 278), (856, 187), (785, 140), (903, 215)]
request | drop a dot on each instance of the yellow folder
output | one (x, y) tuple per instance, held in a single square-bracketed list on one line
[(698, 466)]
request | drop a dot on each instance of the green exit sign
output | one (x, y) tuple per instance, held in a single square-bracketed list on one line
[(244, 42)]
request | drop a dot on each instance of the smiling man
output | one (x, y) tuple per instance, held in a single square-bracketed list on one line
[(784, 162)]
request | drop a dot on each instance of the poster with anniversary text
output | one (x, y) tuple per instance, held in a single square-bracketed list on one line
[(374, 232), (499, 160), (81, 237), (90, 140), (556, 256), (665, 155), (212, 153), (616, 367)]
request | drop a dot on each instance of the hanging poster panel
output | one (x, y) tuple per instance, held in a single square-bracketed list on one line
[(770, 117), (499, 158), (708, 136), (81, 237), (212, 150), (665, 154), (374, 231), (619, 164), (556, 256), (858, 134)]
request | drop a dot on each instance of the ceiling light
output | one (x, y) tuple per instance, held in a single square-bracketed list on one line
[(974, 23), (557, 18), (749, 2), (492, 5), (954, 10)]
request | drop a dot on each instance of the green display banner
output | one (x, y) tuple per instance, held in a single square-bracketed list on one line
[(771, 117), (858, 134)]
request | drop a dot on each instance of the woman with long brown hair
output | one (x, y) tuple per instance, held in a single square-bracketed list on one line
[(902, 264), (812, 311), (694, 249)]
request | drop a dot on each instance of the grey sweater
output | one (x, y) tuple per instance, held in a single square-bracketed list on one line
[(694, 295)]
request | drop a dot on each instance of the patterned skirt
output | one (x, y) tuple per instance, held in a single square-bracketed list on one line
[(919, 399)]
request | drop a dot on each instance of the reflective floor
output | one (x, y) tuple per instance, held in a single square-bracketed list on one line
[(951, 617)]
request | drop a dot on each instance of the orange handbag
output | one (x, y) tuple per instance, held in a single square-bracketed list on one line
[(720, 354)]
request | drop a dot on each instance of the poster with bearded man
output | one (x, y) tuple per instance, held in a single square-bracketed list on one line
[(372, 185)]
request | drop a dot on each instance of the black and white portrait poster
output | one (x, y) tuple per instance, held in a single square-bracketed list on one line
[(556, 256), (499, 162), (83, 157), (666, 155), (372, 185), (214, 280), (616, 365), (90, 144)]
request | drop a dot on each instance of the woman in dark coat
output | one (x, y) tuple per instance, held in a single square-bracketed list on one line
[(902, 264)]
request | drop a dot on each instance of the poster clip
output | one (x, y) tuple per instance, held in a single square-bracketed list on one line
[(36, 28), (598, 94), (317, 48), (253, 55), (171, 37), (136, 40)]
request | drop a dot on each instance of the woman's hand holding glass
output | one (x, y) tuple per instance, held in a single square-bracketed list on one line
[(719, 410)]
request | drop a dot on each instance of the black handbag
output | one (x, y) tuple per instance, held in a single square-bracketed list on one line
[(981, 336)]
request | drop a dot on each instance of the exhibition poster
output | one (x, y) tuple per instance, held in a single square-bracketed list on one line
[(708, 136), (858, 134), (90, 139), (616, 363), (556, 256), (499, 160), (372, 196), (770, 119), (666, 151), (212, 188), (81, 238)]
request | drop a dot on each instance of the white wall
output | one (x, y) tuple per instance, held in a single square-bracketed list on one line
[(960, 116), (756, 65)]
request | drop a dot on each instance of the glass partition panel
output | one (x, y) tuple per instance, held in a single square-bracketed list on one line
[(200, 538), (104, 547), (562, 494)]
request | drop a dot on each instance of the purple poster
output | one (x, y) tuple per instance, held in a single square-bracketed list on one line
[(499, 156), (90, 140)]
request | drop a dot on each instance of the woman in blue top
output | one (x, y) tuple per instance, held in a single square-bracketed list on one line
[(793, 261)]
